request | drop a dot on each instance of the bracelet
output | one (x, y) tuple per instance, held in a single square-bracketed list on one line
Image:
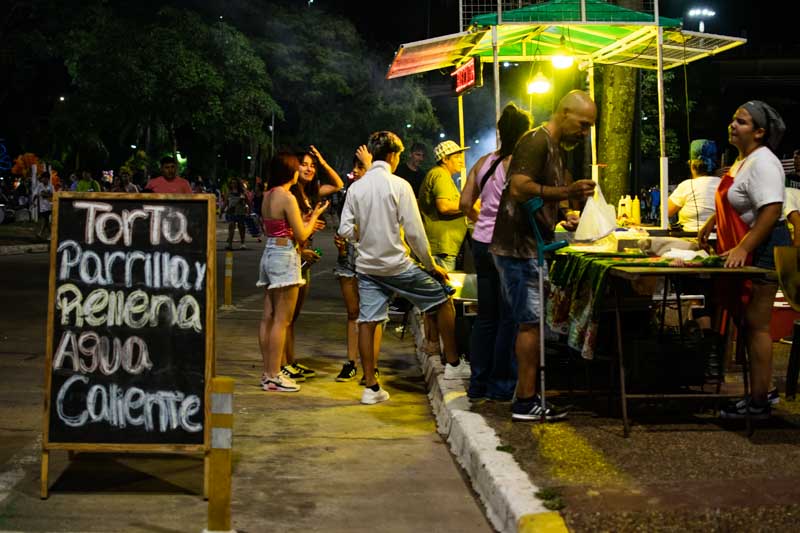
[(541, 190)]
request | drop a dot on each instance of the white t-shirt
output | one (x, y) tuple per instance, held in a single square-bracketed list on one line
[(695, 197), (792, 202), (44, 194), (758, 180)]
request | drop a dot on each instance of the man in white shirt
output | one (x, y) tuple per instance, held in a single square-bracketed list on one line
[(380, 210), (42, 198)]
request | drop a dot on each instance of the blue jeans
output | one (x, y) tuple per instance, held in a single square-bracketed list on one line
[(494, 367), (415, 285)]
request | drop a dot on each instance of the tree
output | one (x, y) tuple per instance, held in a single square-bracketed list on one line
[(334, 90)]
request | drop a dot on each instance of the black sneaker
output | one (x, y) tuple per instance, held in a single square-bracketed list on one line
[(307, 372), (773, 397), (739, 409), (348, 371), (532, 410), (292, 373), (363, 381)]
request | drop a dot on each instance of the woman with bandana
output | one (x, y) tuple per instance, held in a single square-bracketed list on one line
[(693, 199), (749, 224)]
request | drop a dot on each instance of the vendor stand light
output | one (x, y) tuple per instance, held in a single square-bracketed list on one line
[(563, 57), (539, 84)]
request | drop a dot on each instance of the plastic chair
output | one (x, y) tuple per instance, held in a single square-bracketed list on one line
[(787, 259)]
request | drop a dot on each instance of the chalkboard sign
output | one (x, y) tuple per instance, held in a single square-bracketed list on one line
[(130, 338)]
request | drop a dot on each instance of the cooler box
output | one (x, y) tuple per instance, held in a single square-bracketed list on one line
[(465, 301)]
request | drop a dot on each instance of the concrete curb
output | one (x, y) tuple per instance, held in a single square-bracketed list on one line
[(503, 487), (15, 249)]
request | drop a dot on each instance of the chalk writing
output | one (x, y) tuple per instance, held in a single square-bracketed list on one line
[(169, 223), (118, 407)]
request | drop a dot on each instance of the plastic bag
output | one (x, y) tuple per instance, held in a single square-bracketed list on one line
[(598, 219)]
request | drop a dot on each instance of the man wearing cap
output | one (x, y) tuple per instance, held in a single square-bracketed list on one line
[(439, 204), (537, 170), (379, 211)]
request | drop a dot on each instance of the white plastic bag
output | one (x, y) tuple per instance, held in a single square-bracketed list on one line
[(598, 220)]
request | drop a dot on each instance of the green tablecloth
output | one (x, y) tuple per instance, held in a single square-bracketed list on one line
[(577, 288)]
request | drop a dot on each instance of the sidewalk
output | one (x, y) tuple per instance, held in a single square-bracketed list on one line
[(316, 460), (20, 238)]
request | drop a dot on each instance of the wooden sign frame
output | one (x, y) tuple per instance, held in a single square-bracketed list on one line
[(210, 317)]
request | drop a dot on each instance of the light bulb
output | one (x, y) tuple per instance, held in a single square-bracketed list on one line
[(539, 84)]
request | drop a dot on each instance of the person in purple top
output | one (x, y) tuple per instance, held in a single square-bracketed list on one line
[(494, 373)]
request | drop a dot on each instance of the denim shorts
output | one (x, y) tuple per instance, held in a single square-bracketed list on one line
[(280, 264), (764, 254), (415, 285), (346, 264), (519, 280)]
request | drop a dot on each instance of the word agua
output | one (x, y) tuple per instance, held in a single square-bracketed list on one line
[(122, 407)]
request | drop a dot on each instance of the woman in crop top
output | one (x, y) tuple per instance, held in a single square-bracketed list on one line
[(749, 224), (279, 272)]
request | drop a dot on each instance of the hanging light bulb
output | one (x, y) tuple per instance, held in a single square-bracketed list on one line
[(539, 84), (562, 58)]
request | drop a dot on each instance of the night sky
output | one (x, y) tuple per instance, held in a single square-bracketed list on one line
[(764, 68)]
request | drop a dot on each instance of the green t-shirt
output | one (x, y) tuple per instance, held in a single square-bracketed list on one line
[(88, 186), (445, 232)]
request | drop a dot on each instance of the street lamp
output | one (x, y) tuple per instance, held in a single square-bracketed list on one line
[(701, 13)]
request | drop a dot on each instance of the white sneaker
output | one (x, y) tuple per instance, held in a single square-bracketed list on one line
[(371, 397), (462, 371), (280, 383)]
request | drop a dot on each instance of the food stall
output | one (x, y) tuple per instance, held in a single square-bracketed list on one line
[(589, 278), (592, 31)]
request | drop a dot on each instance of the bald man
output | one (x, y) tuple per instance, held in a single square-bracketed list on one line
[(537, 170)]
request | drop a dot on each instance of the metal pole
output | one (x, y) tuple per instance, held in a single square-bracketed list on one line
[(662, 140), (463, 171), (593, 129)]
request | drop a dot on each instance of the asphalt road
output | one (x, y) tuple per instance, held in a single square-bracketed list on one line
[(312, 461)]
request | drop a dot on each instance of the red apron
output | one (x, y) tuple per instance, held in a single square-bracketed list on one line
[(731, 229)]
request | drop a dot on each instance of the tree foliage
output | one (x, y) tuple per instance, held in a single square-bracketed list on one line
[(167, 76)]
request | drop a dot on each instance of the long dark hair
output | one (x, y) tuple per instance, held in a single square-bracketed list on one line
[(307, 194), (513, 123)]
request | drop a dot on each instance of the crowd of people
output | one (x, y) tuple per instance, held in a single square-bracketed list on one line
[(401, 230)]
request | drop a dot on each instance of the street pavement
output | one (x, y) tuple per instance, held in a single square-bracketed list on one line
[(316, 460)]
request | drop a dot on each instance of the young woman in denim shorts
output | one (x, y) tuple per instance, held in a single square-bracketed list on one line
[(345, 270), (286, 230)]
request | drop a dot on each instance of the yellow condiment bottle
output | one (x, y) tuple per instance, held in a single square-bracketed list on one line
[(637, 210)]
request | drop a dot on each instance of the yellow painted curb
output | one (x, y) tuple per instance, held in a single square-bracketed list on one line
[(542, 523)]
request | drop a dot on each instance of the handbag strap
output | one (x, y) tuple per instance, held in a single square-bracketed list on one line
[(490, 171)]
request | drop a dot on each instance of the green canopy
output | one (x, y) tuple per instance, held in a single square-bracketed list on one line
[(593, 31), (569, 11)]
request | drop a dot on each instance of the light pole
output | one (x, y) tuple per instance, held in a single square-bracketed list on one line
[(701, 13)]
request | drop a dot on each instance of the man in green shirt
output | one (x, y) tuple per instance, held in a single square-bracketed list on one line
[(445, 224), (87, 184)]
